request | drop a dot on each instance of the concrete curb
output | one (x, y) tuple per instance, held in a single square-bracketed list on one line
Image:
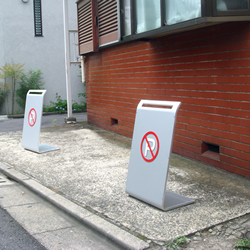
[(44, 114), (104, 227)]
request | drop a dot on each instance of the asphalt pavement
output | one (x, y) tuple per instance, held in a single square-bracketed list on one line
[(43, 222), (13, 236)]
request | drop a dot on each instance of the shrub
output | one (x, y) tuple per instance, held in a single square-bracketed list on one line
[(33, 80), (3, 94), (60, 105), (11, 72)]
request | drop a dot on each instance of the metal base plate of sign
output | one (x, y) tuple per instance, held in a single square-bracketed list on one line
[(45, 148), (32, 122), (150, 155)]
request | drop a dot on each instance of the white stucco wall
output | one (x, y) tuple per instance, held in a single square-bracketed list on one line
[(19, 44)]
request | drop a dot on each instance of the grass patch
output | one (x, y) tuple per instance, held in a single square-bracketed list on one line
[(177, 242), (243, 244)]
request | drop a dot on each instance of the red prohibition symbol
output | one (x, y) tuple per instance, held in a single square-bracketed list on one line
[(151, 146), (32, 117)]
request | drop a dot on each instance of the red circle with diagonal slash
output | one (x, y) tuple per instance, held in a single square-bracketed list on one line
[(32, 117), (152, 153)]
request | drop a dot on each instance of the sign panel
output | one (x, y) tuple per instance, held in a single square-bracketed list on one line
[(150, 155), (32, 122)]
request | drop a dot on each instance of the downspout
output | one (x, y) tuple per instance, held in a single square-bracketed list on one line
[(83, 69)]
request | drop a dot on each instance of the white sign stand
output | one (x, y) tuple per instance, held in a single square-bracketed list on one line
[(150, 155), (32, 122)]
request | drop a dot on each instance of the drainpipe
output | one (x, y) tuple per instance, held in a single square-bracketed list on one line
[(83, 69), (69, 119)]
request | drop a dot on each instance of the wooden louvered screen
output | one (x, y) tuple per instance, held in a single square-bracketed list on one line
[(97, 24), (85, 29), (107, 21), (38, 18)]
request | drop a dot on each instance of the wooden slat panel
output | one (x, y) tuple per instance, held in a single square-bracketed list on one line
[(108, 21), (85, 31)]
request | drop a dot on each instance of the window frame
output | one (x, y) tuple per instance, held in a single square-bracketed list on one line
[(230, 12)]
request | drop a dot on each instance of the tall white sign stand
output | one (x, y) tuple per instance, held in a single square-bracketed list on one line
[(150, 155), (32, 122)]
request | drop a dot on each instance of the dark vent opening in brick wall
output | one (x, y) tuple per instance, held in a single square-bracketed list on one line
[(114, 121), (210, 150)]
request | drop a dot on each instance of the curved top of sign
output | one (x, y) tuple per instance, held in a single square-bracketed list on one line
[(159, 105)]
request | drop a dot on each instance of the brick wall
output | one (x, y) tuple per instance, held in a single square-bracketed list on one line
[(207, 70)]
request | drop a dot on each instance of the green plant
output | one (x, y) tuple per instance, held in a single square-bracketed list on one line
[(78, 107), (11, 72), (54, 122), (176, 243), (60, 105), (3, 94), (243, 244), (32, 80)]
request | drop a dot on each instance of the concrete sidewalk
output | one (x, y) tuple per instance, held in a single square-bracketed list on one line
[(90, 171)]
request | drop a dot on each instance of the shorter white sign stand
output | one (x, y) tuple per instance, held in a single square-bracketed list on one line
[(150, 155), (32, 122)]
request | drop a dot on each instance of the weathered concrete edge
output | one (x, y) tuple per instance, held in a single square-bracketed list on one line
[(99, 224), (44, 114)]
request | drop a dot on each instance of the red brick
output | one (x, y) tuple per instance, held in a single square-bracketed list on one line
[(241, 146), (245, 122), (240, 63), (223, 111), (231, 87), (215, 118), (221, 63), (244, 71), (236, 170), (232, 104), (232, 120), (231, 136), (236, 154), (241, 163), (245, 105), (223, 95), (206, 72), (241, 114), (241, 96), (241, 130), (245, 139)]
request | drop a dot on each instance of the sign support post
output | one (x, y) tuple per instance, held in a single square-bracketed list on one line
[(32, 122), (150, 155)]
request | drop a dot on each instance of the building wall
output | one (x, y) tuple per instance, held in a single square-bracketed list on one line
[(19, 44), (206, 69)]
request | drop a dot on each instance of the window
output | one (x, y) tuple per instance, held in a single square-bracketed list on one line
[(38, 18), (180, 11), (102, 22), (232, 7), (225, 5), (148, 15), (127, 17)]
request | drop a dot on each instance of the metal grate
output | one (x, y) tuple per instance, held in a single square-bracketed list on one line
[(38, 18)]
